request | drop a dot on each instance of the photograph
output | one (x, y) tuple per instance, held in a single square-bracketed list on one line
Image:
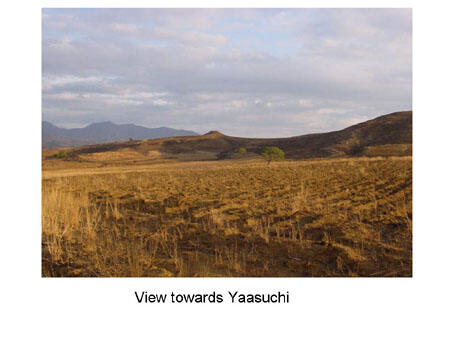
[(226, 142)]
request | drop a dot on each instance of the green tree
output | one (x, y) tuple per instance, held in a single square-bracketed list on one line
[(242, 151), (272, 154)]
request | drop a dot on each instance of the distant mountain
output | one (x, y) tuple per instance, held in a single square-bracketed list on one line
[(103, 132), (387, 135)]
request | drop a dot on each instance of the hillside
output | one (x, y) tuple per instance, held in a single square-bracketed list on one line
[(104, 132), (387, 135)]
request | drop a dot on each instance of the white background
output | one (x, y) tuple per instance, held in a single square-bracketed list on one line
[(319, 307)]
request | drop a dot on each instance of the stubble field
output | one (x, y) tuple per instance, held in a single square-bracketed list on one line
[(345, 217)]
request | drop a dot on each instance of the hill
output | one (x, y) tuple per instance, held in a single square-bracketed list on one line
[(104, 132), (387, 135)]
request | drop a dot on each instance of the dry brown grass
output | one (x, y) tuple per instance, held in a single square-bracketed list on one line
[(346, 217)]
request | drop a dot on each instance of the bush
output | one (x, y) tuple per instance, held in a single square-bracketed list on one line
[(272, 154), (242, 151), (353, 146), (61, 154)]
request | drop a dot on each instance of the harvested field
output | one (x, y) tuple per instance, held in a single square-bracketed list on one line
[(342, 217)]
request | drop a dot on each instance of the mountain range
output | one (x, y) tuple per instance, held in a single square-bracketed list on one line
[(103, 132), (387, 135)]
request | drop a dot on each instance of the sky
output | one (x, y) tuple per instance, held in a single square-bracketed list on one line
[(244, 72)]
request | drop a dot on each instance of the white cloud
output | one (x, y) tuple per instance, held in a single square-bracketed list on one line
[(125, 28), (207, 67), (304, 103), (160, 102), (49, 82), (238, 104), (124, 102)]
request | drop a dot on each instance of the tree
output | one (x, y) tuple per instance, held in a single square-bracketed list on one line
[(242, 151), (272, 154)]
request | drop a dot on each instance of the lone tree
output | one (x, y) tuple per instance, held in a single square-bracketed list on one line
[(272, 154)]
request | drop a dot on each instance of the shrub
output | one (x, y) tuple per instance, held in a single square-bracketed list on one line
[(242, 151), (61, 154), (353, 146)]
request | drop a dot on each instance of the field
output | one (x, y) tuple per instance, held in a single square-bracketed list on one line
[(342, 217)]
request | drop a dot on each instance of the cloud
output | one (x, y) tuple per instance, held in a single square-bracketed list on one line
[(50, 82), (271, 72)]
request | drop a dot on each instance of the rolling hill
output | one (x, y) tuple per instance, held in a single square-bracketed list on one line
[(387, 135), (104, 132)]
